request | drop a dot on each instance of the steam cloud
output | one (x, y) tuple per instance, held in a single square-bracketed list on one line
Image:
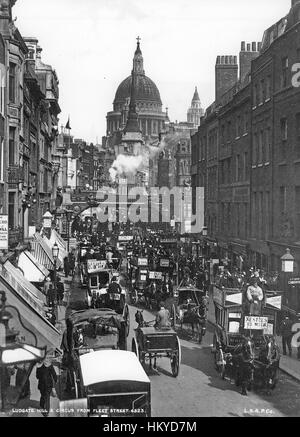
[(130, 165)]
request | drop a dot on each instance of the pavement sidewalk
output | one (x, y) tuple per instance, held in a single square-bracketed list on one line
[(29, 407), (289, 365)]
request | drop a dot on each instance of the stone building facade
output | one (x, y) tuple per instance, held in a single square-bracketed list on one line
[(246, 152)]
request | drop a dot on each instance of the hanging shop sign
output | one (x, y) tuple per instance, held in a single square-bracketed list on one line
[(3, 232)]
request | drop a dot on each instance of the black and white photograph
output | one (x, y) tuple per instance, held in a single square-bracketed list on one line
[(149, 211)]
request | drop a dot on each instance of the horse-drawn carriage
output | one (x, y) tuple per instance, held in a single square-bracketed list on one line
[(99, 279), (150, 343), (88, 331), (190, 307), (103, 379), (244, 345)]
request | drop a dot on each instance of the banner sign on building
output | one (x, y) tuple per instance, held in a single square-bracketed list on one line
[(142, 262), (294, 281), (155, 275), (125, 238), (164, 263), (3, 232), (256, 323), (94, 265), (168, 240)]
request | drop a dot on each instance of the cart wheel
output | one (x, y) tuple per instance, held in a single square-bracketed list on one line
[(220, 363), (176, 359), (126, 317), (134, 347), (173, 316), (74, 383), (200, 334), (214, 346)]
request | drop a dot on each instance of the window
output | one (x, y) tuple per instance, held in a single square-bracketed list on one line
[(284, 129), (284, 72), (255, 96), (267, 215), (11, 210), (260, 147), (268, 87), (246, 166), (11, 146), (41, 178), (237, 167), (12, 82), (282, 199), (238, 127), (298, 127), (246, 208), (254, 150), (228, 131), (246, 122), (42, 147), (262, 96), (268, 145)]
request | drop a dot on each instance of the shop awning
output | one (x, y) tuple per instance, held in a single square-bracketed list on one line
[(43, 253), (15, 277), (58, 238), (54, 239), (32, 269), (26, 298)]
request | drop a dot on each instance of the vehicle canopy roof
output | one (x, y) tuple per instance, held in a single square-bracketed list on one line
[(100, 316), (111, 365)]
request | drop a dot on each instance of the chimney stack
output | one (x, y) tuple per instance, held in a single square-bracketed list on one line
[(246, 57), (226, 74)]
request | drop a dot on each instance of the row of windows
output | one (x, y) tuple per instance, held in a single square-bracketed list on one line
[(234, 219), (262, 91), (241, 128), (261, 214), (261, 147)]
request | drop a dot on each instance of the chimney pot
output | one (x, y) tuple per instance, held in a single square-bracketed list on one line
[(258, 46), (222, 60), (254, 47), (243, 46), (248, 47)]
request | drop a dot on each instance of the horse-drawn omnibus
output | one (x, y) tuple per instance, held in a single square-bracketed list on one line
[(99, 279), (139, 278), (244, 344)]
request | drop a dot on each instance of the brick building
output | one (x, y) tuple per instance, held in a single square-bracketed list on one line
[(246, 153)]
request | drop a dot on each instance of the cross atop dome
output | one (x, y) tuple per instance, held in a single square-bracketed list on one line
[(138, 61)]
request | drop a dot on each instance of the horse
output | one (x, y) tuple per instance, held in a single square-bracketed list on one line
[(243, 362), (269, 356), (196, 317), (139, 318)]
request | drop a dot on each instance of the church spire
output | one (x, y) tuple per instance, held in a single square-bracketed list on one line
[(196, 97), (132, 124), (138, 61)]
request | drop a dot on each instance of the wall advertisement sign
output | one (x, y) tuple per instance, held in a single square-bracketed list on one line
[(3, 232)]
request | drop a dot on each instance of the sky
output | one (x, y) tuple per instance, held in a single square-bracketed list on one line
[(91, 44)]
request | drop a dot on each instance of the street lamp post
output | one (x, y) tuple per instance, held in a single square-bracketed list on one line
[(287, 267), (55, 252)]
